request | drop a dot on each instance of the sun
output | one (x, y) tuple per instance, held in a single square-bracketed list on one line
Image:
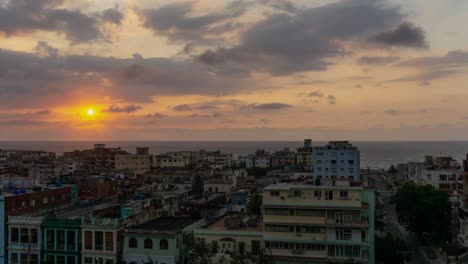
[(90, 112)]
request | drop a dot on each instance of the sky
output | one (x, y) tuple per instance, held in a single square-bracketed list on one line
[(233, 70)]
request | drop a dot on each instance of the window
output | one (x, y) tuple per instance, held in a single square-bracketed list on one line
[(256, 247), (310, 229), (33, 236), (132, 243), (33, 259), (24, 235), (278, 228), (241, 248), (71, 259), (88, 237), (317, 194), (310, 212), (14, 258), (148, 243), (344, 234), (88, 260), (50, 239), (109, 241), (343, 194), (297, 193), (98, 240), (328, 195), (14, 235), (60, 239), (32, 203), (71, 240), (60, 260), (24, 258), (109, 261), (163, 244), (274, 193)]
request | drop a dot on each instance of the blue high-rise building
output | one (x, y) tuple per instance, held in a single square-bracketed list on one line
[(337, 160)]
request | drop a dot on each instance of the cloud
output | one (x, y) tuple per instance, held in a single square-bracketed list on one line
[(304, 40), (112, 15), (378, 60), (182, 108), (27, 122), (425, 83), (331, 99), (48, 78), (405, 35), (392, 112), (123, 109), (317, 93), (213, 115), (42, 112), (427, 75), (20, 16), (179, 24), (271, 106), (157, 115), (43, 49), (452, 59)]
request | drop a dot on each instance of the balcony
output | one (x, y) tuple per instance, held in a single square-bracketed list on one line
[(298, 253), (463, 240), (294, 219), (279, 236), (355, 222)]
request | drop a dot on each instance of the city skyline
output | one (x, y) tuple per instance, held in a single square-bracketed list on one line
[(233, 70)]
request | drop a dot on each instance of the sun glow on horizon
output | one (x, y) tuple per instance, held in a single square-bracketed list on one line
[(90, 112)]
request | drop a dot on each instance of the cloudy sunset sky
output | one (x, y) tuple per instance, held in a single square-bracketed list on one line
[(233, 70)]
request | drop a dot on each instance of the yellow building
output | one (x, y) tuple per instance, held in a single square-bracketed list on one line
[(319, 224), (137, 163)]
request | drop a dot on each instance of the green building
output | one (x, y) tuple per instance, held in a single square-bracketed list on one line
[(159, 241), (61, 240)]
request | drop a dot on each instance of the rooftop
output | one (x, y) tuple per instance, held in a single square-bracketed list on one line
[(288, 186), (220, 225), (166, 224)]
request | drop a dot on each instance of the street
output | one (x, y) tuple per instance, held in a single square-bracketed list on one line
[(394, 228)]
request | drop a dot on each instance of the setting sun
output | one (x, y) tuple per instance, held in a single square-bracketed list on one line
[(90, 112)]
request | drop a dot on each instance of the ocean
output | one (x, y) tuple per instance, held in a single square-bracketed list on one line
[(374, 154)]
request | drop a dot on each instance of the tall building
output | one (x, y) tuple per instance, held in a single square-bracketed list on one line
[(304, 154), (338, 159), (323, 224)]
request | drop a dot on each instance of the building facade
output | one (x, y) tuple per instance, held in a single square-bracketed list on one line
[(338, 159), (319, 224)]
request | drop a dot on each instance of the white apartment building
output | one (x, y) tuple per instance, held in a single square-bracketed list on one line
[(319, 224)]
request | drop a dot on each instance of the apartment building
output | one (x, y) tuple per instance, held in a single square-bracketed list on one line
[(25, 239), (304, 154), (136, 163), (338, 159), (319, 224)]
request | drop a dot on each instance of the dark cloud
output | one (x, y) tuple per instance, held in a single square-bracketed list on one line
[(178, 23), (428, 75), (392, 112), (213, 115), (452, 59), (112, 15), (157, 115), (123, 109), (405, 35), (283, 5), (271, 106), (305, 40), (19, 16), (378, 60), (40, 80), (44, 49), (42, 112), (425, 83), (26, 122), (331, 99), (317, 93), (182, 108)]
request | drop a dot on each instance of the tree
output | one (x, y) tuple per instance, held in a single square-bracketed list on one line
[(198, 251), (423, 209), (197, 187), (390, 250), (254, 206), (392, 170)]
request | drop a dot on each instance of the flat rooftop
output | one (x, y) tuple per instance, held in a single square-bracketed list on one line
[(288, 186), (220, 225), (166, 224)]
